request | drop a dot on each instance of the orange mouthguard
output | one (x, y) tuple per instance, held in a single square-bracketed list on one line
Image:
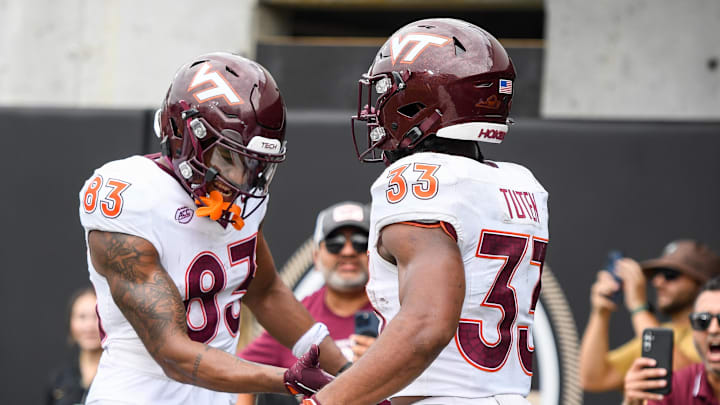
[(214, 207)]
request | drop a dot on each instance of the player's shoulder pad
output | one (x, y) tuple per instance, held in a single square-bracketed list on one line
[(419, 167), (521, 172), (119, 190)]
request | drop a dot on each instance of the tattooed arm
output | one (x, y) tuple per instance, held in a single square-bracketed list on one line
[(149, 300)]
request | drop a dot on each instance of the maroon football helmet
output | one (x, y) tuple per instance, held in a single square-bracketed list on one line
[(227, 109), (437, 76)]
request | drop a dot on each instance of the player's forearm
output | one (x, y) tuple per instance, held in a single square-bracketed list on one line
[(295, 319), (272, 302), (404, 349), (211, 368)]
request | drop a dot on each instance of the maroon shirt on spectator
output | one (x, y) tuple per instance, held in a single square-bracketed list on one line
[(689, 386), (266, 350)]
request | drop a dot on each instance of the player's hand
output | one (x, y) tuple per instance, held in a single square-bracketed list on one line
[(305, 376), (602, 290), (640, 378), (634, 282), (360, 344)]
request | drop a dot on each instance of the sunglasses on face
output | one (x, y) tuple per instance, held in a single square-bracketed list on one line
[(701, 320), (336, 243), (668, 274)]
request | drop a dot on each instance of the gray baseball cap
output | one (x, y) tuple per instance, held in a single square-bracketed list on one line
[(346, 213)]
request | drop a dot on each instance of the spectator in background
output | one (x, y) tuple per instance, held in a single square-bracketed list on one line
[(676, 276), (698, 383), (340, 255), (69, 384)]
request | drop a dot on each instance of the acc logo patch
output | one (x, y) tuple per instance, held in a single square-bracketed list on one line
[(184, 215)]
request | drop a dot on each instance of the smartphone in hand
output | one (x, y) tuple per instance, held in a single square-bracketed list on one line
[(657, 343), (612, 258), (366, 323)]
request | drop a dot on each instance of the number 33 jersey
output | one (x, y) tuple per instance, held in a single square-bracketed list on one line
[(499, 218), (211, 266)]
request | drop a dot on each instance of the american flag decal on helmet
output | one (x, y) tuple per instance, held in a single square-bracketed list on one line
[(505, 86)]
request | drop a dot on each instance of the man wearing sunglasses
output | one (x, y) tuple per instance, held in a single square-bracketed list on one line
[(340, 256), (676, 277), (698, 383)]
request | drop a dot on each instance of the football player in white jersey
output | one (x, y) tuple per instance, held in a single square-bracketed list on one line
[(175, 244), (457, 242)]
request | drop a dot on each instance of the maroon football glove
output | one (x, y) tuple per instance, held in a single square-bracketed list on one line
[(305, 376)]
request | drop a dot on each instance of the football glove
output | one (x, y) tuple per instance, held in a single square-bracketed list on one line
[(305, 376)]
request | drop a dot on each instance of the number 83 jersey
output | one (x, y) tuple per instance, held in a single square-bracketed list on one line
[(498, 215), (211, 266)]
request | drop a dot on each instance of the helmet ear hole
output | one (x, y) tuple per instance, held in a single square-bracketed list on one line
[(411, 110)]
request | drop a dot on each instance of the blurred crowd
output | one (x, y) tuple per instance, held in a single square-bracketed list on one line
[(676, 278)]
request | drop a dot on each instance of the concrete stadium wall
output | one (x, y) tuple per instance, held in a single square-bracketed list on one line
[(642, 59), (647, 59), (110, 53)]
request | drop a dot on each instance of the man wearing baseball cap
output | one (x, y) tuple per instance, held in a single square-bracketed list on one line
[(340, 255), (341, 237), (677, 275)]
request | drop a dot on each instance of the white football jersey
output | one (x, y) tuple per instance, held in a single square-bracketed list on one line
[(210, 266), (499, 214)]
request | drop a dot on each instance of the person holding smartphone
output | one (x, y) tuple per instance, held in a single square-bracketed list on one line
[(698, 383), (676, 276), (340, 255)]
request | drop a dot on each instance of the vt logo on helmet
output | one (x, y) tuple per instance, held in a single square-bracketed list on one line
[(222, 130), (220, 88), (443, 77), (421, 41)]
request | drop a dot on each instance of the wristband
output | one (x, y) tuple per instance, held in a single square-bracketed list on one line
[(313, 336), (345, 367), (640, 308)]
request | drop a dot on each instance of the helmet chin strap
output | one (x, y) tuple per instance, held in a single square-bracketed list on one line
[(417, 133)]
